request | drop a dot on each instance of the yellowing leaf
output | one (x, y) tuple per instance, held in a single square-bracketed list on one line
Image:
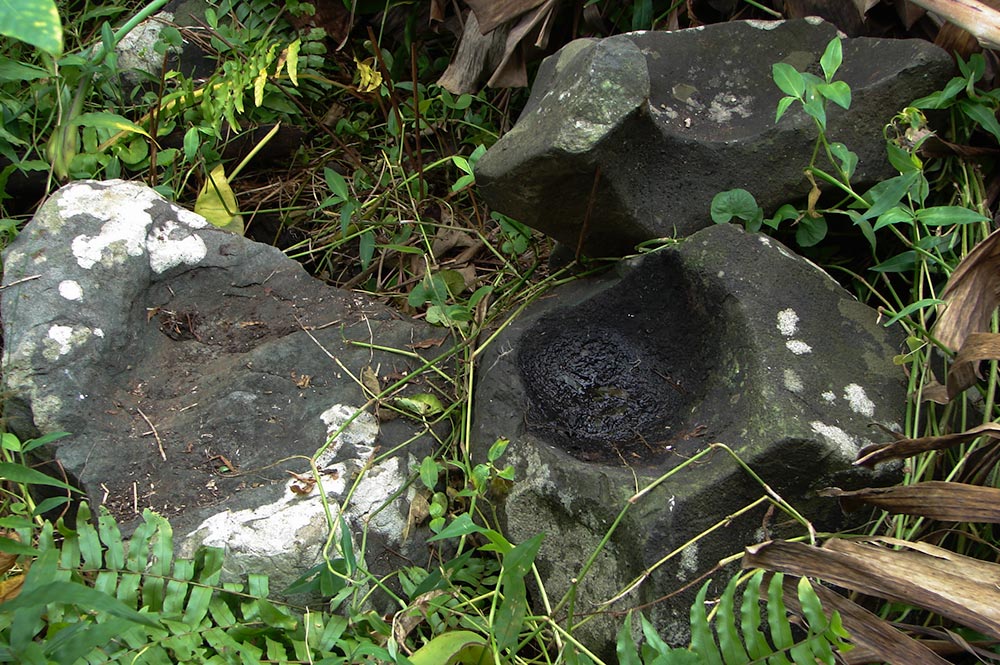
[(370, 78), (108, 121), (423, 404), (217, 202), (291, 57), (258, 87)]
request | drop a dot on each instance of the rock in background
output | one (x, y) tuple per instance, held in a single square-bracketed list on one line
[(194, 370), (609, 384), (628, 138)]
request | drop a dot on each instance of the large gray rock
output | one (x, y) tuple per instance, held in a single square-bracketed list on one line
[(194, 370), (628, 138), (610, 384)]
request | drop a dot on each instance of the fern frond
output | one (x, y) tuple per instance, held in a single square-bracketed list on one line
[(749, 644), (95, 597)]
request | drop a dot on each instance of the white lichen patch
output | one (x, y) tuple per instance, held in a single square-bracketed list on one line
[(724, 106), (123, 234), (70, 290), (124, 207), (798, 347), (688, 563), (828, 396), (58, 342), (360, 433), (844, 441), (858, 400), (788, 322), (171, 244), (764, 240), (761, 24), (793, 381)]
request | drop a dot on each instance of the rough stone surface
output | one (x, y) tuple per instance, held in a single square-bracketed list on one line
[(628, 138), (609, 384), (194, 370)]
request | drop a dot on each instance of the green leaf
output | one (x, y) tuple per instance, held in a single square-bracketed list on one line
[(725, 625), (452, 648), (462, 163), (888, 194), (810, 231), (82, 596), (12, 70), (19, 473), (497, 449), (625, 646), (912, 307), (982, 115), (894, 216), (423, 404), (337, 184), (737, 203), (460, 526), (902, 262), (949, 215), (11, 546), (783, 105), (750, 622), (366, 248), (831, 59), (815, 108), (788, 79), (942, 98), (429, 472), (782, 214), (112, 121), (31, 444), (642, 14), (848, 160), (347, 545), (702, 642), (35, 22), (777, 620), (837, 92)]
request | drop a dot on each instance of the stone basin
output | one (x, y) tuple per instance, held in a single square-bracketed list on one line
[(605, 385), (621, 375)]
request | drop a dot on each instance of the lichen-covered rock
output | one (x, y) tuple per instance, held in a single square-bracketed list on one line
[(608, 385), (195, 370), (628, 138)]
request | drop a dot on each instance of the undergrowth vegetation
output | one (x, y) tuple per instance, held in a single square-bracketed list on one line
[(376, 192)]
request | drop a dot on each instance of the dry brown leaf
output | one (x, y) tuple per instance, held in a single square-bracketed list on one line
[(11, 587), (6, 558), (972, 294), (874, 639), (935, 499), (512, 71), (956, 587), (902, 448), (478, 55), (492, 13), (964, 370), (977, 17)]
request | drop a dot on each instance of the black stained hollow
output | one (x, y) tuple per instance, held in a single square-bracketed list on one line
[(618, 377)]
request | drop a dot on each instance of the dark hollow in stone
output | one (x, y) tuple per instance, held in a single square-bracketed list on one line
[(621, 376)]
